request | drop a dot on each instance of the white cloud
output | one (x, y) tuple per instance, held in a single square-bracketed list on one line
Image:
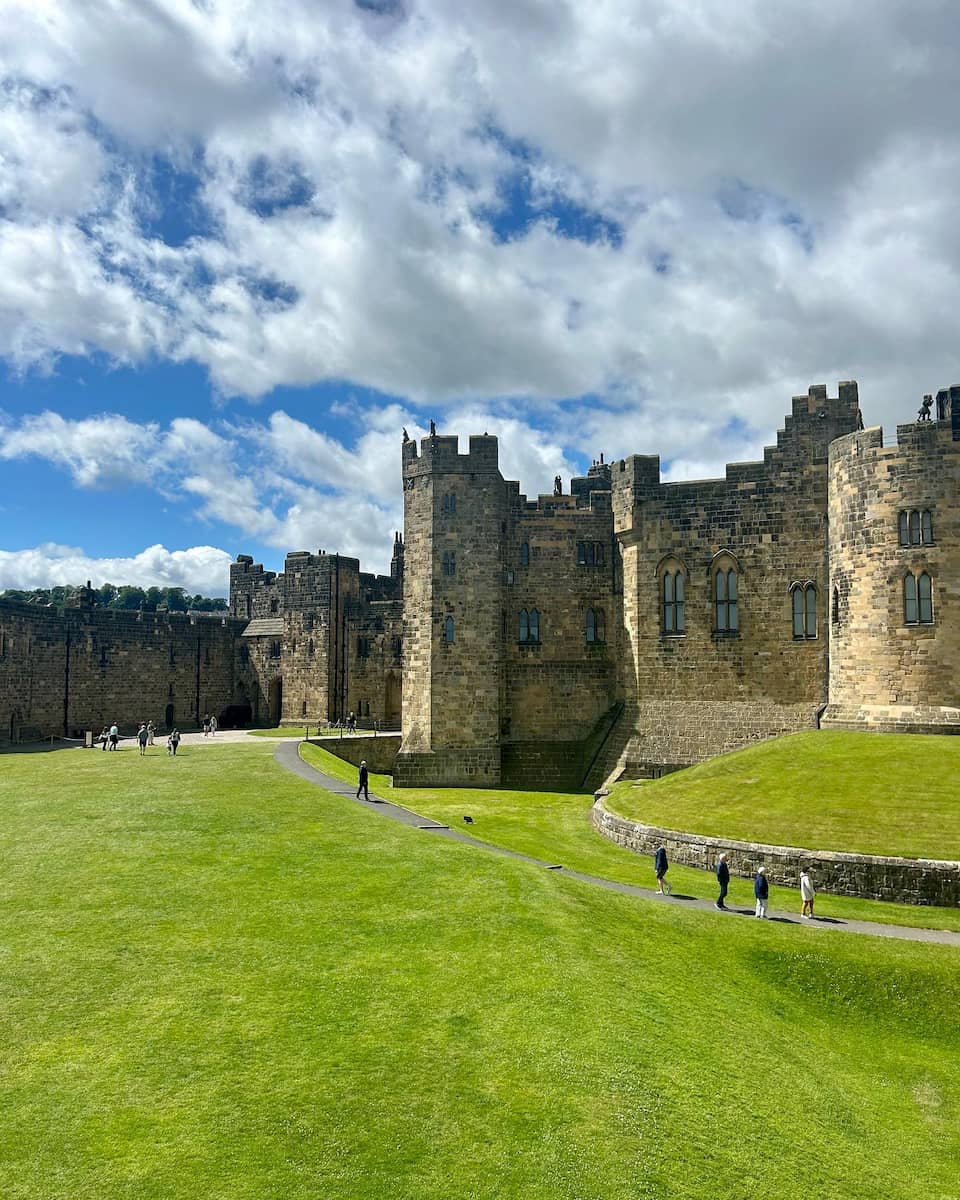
[(782, 178), (203, 569)]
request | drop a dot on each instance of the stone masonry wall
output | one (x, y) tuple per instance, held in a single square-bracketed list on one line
[(884, 673), (69, 670), (871, 877), (766, 521)]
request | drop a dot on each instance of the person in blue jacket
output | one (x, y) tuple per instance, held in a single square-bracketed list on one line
[(723, 879), (661, 866), (761, 890)]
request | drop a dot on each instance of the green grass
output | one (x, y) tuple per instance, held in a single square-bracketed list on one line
[(822, 790), (218, 980), (556, 827)]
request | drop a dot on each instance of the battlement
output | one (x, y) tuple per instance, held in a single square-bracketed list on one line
[(442, 454)]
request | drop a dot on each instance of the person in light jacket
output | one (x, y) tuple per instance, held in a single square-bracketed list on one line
[(806, 894), (761, 890)]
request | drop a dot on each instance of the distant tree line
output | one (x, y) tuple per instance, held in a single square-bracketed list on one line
[(124, 598)]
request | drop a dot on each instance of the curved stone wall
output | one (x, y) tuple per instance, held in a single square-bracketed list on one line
[(884, 673), (868, 876)]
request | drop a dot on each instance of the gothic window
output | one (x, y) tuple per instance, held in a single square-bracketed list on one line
[(529, 627), (595, 625), (244, 655), (308, 622), (674, 605), (449, 505), (363, 647), (303, 709), (804, 601), (310, 648), (206, 656), (248, 606), (274, 649), (274, 603), (448, 630), (397, 644), (727, 617), (917, 599), (915, 527), (3, 644), (103, 657), (524, 554), (173, 657), (449, 562)]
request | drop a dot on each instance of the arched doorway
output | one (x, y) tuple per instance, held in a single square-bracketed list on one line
[(168, 716), (276, 700), (391, 701), (16, 720)]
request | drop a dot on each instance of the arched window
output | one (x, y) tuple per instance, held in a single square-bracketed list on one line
[(915, 528), (523, 634), (835, 609), (524, 554), (725, 595), (595, 625), (534, 625), (449, 562), (804, 610), (448, 630), (917, 599), (449, 504), (673, 607)]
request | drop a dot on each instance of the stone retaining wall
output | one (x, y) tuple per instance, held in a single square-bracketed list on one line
[(868, 876), (379, 751)]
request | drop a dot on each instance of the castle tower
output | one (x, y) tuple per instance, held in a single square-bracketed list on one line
[(894, 566), (454, 515)]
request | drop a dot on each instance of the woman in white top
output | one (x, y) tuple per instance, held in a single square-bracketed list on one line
[(806, 894)]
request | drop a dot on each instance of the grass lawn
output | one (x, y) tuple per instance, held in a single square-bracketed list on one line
[(218, 980), (820, 790), (556, 827)]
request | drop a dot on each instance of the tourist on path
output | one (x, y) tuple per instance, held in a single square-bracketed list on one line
[(362, 781), (114, 736), (723, 879), (213, 726), (206, 726), (761, 890), (142, 737), (151, 730), (104, 738), (661, 866), (806, 894), (173, 741)]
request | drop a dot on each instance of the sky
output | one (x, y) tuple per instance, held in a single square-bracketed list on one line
[(243, 244)]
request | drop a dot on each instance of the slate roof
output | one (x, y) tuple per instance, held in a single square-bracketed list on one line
[(264, 627)]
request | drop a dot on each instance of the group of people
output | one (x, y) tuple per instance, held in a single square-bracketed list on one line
[(209, 726), (146, 732), (761, 885)]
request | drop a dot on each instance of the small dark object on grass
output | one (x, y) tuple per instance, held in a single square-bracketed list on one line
[(468, 820)]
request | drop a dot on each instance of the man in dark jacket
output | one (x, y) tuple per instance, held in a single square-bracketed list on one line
[(761, 890), (362, 781), (661, 866), (723, 879)]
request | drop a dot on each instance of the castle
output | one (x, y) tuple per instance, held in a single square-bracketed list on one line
[(627, 624)]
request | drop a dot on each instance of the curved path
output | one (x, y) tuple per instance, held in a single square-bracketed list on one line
[(288, 756)]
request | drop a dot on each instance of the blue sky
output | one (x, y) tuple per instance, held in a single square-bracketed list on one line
[(242, 246)]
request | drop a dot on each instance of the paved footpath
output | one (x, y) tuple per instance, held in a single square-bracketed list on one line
[(288, 756)]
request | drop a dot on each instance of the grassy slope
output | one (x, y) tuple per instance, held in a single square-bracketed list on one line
[(556, 827), (217, 980), (821, 790)]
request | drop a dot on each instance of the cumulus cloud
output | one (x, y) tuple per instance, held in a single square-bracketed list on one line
[(648, 225), (203, 569)]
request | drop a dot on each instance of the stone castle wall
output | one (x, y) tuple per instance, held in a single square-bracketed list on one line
[(888, 672), (63, 671)]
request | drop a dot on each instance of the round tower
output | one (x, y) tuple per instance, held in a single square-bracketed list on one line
[(894, 593)]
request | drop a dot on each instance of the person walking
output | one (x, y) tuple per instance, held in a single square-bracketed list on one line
[(661, 866), (723, 879), (142, 736), (761, 890), (213, 725), (362, 781), (151, 731), (206, 726), (173, 741), (104, 738), (806, 894), (114, 736)]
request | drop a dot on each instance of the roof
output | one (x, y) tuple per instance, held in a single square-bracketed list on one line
[(264, 627)]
